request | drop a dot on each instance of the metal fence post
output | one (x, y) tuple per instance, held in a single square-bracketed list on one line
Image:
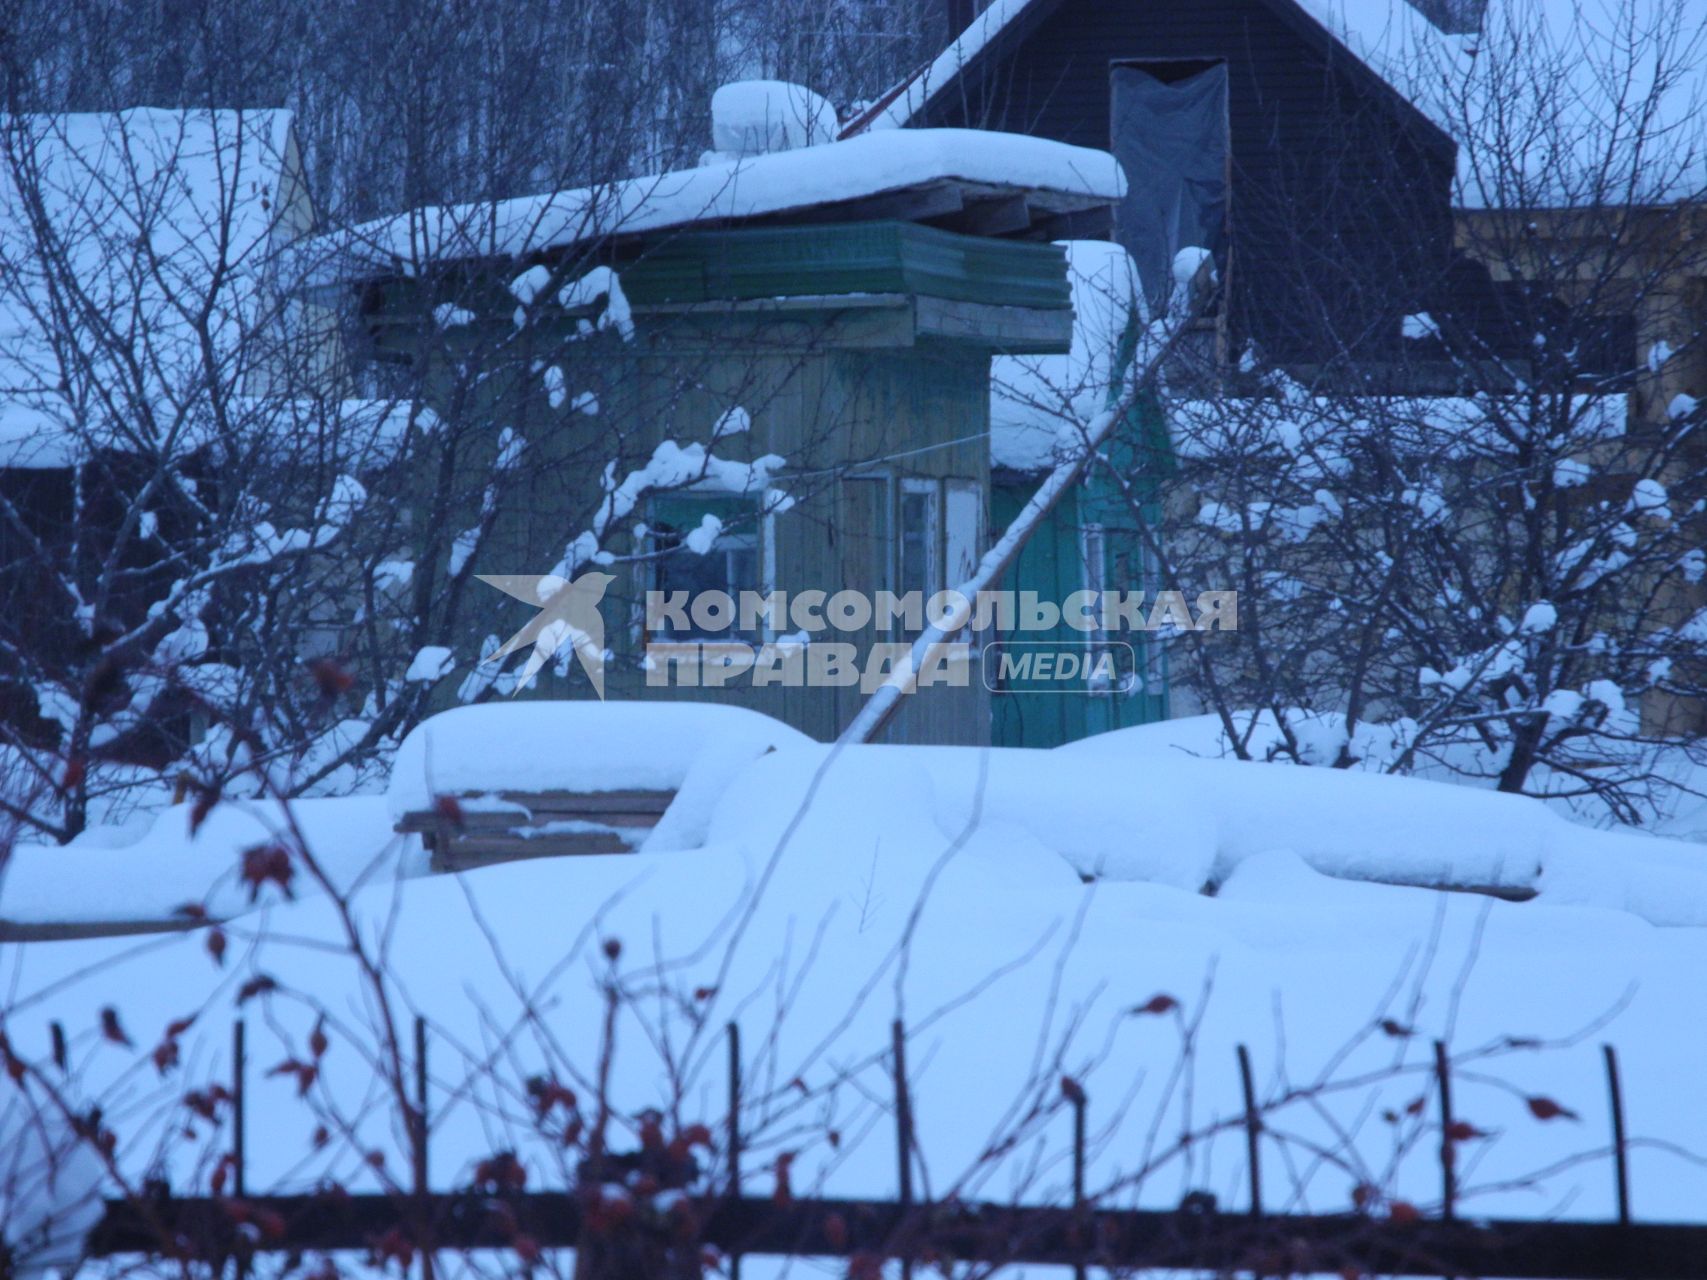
[(1448, 1156), (734, 1131), (1253, 1128), (239, 1154), (1078, 1100), (903, 1130), (1620, 1152), (419, 1154)]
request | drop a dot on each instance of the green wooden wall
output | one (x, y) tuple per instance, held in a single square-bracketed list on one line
[(1057, 561), (848, 381)]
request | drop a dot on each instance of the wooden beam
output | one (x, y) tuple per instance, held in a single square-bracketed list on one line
[(535, 824), (1000, 216), (208, 1229), (591, 801), (1078, 224), (499, 823), (72, 930), (465, 853), (1031, 330), (915, 204)]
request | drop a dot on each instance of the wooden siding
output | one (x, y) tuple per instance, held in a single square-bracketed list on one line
[(1053, 564), (858, 416), (1339, 191), (789, 268)]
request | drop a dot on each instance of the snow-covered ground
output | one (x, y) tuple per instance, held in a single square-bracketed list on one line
[(1677, 810), (155, 865), (824, 891)]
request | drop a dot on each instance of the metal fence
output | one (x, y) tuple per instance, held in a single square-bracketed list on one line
[(1082, 1235)]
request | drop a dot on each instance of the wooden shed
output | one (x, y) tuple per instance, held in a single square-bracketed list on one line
[(821, 355)]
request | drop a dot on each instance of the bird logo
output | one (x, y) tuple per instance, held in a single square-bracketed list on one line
[(568, 614)]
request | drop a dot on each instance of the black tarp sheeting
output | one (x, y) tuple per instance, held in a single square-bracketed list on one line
[(1170, 135)]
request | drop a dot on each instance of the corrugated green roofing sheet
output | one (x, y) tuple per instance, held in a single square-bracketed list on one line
[(850, 258)]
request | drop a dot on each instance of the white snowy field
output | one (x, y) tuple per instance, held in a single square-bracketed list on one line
[(818, 893)]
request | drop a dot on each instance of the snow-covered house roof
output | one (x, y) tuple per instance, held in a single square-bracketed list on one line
[(118, 233), (922, 173), (1557, 89), (1004, 21), (1581, 73)]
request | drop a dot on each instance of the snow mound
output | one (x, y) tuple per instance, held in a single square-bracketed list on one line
[(125, 876), (50, 1186), (1113, 813), (574, 746), (1036, 402), (846, 858), (758, 117), (841, 888), (1183, 823), (1392, 830)]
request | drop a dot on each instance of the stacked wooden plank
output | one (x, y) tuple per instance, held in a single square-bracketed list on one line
[(464, 831)]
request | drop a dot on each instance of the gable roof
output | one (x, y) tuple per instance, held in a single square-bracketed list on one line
[(118, 232), (1006, 22)]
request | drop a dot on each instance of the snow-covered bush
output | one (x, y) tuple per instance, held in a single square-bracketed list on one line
[(184, 476), (1484, 554)]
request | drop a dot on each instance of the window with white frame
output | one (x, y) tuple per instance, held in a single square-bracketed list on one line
[(963, 519), (702, 543), (1093, 560), (919, 535), (1093, 555)]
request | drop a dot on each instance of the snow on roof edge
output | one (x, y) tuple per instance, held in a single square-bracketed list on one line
[(897, 107), (834, 173)]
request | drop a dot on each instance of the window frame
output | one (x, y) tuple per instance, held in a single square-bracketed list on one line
[(754, 534), (973, 492), (930, 489)]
